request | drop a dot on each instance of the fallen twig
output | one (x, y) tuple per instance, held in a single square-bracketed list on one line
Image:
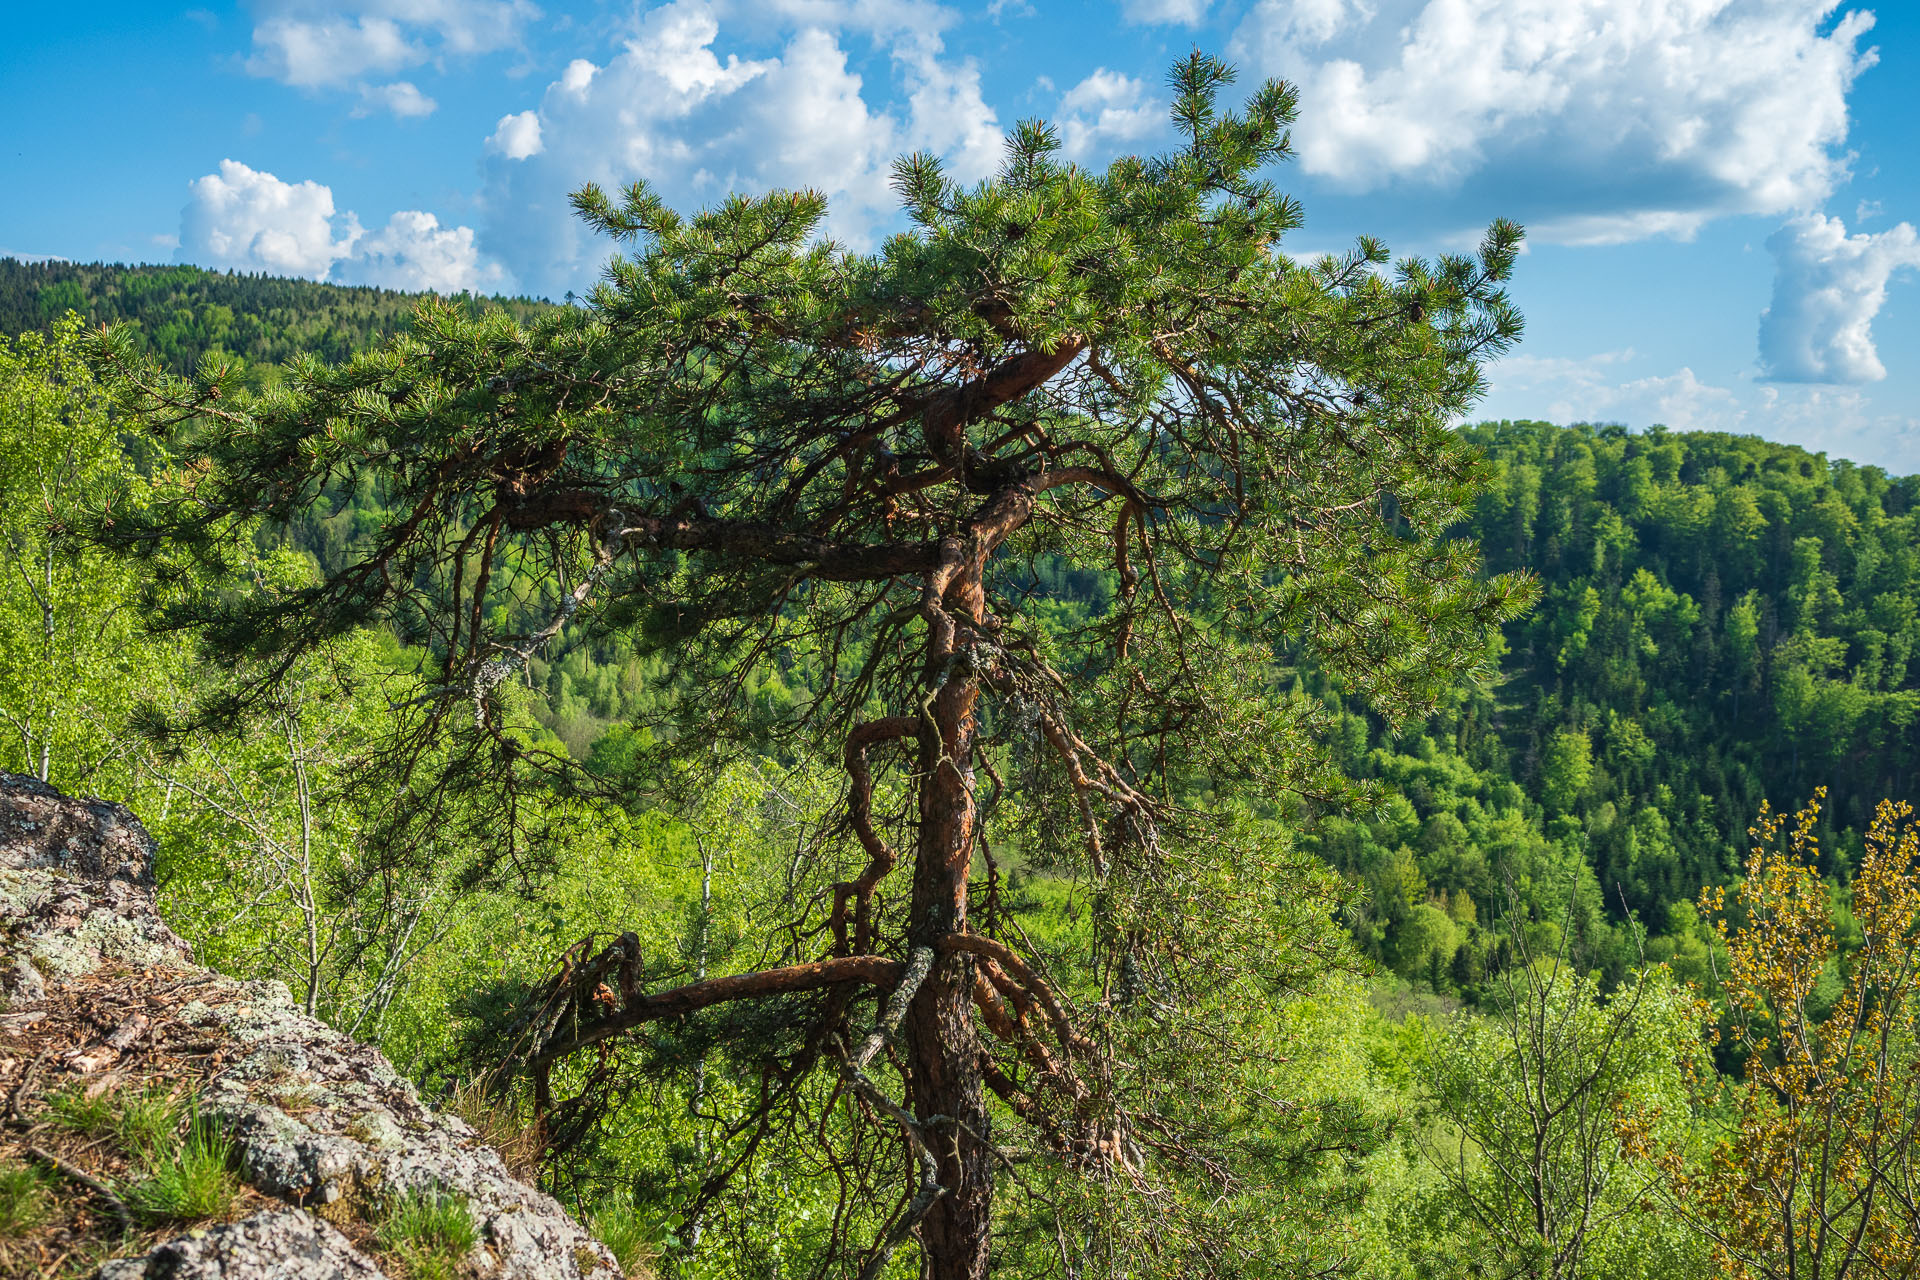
[(26, 1083), (87, 1180), (197, 1048), (195, 980)]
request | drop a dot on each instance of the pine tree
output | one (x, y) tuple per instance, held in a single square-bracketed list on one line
[(752, 445)]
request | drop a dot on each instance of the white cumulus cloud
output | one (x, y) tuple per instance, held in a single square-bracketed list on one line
[(414, 252), (516, 136), (244, 219), (1595, 120), (678, 110), (1827, 288), (948, 115), (316, 43)]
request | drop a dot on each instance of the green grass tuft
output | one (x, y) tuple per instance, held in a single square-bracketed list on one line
[(185, 1161), (190, 1180), (141, 1121), (25, 1202), (430, 1233), (146, 1120), (619, 1226), (70, 1108)]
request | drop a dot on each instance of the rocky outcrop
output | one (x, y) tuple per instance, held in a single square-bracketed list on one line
[(76, 888), (321, 1123), (283, 1243)]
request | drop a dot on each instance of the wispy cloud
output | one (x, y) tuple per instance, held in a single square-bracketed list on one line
[(401, 99), (1177, 13), (1610, 386), (335, 43)]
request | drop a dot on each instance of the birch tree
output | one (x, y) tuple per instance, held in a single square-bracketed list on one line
[(73, 656)]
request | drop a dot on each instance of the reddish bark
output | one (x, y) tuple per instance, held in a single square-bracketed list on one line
[(944, 1069), (691, 998)]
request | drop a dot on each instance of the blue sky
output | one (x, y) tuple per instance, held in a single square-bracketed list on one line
[(1720, 194)]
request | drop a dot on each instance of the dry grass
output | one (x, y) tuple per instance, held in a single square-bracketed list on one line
[(496, 1119)]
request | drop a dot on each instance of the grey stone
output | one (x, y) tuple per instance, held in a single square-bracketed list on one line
[(24, 981), (378, 1129), (76, 883), (279, 1244)]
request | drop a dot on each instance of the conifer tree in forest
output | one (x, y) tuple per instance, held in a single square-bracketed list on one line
[(754, 446)]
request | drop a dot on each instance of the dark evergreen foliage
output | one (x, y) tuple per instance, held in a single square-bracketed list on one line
[(751, 442)]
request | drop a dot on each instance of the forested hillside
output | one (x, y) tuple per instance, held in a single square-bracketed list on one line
[(1723, 620), (1533, 1060), (183, 314)]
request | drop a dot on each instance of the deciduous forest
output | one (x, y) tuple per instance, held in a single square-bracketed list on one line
[(1044, 749)]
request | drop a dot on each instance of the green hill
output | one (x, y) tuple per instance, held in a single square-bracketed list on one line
[(1723, 620), (185, 313)]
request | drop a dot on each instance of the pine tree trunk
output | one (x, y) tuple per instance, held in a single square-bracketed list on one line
[(945, 1072)]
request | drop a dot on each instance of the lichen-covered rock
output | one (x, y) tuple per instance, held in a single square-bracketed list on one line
[(284, 1244), (22, 981), (76, 885), (357, 1134), (319, 1120)]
